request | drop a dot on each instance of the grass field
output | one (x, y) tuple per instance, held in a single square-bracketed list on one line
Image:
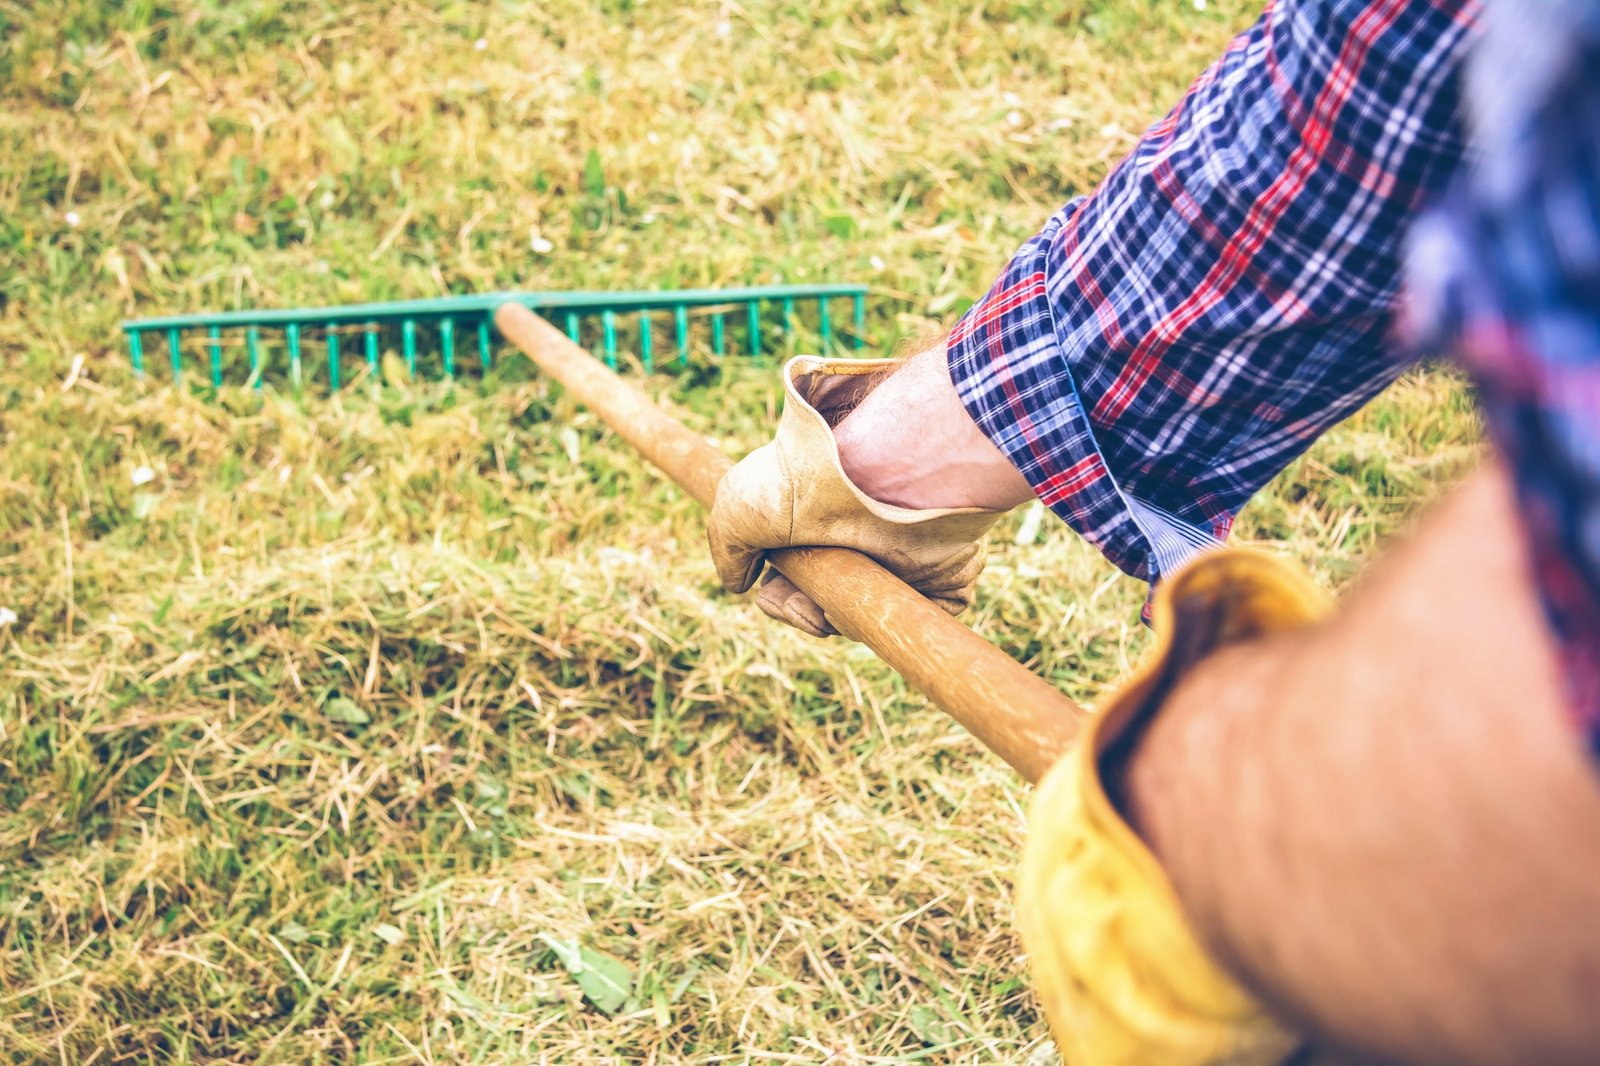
[(364, 722)]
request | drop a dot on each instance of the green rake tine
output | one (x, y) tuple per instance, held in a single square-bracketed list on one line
[(716, 334), (214, 335), (753, 316), (572, 326), (483, 343), (860, 321), (174, 355), (252, 343), (680, 318), (293, 333), (609, 320), (447, 346), (136, 351), (827, 325), (333, 357), (369, 338), (644, 342), (408, 341)]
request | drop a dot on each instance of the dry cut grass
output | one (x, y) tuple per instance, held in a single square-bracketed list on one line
[(408, 725)]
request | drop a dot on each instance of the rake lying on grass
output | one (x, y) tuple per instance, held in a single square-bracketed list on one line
[(1008, 708), (425, 331)]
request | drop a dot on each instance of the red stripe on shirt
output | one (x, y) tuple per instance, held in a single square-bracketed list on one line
[(1263, 216)]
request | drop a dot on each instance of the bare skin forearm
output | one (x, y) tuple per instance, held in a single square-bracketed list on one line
[(911, 443), (1388, 825)]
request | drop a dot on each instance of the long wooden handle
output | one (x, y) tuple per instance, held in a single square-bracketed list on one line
[(1012, 711)]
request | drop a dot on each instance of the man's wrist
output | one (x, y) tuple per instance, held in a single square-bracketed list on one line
[(1181, 777), (1180, 739), (912, 444)]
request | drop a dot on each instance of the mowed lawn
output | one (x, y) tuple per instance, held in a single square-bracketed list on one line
[(408, 724)]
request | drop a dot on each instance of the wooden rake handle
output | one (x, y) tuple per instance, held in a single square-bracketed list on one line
[(1012, 711)]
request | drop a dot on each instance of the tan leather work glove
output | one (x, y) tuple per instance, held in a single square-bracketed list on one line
[(1122, 977), (793, 492)]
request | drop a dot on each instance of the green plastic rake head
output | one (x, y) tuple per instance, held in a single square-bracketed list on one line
[(253, 346)]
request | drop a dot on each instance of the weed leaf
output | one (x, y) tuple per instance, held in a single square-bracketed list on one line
[(605, 980), (345, 711)]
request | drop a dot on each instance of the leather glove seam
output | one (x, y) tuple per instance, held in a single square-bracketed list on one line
[(789, 494)]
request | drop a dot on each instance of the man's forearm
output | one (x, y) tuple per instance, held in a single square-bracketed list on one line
[(911, 443), (1386, 825)]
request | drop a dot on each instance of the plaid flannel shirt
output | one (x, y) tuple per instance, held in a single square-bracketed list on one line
[(1166, 345)]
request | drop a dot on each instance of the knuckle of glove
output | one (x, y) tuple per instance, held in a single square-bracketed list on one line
[(736, 564), (744, 519), (949, 577)]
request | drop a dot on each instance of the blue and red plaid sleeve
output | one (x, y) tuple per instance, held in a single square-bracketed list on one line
[(1505, 275), (1167, 344), (1164, 346)]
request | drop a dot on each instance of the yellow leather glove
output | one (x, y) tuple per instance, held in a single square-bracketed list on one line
[(1121, 976), (793, 492)]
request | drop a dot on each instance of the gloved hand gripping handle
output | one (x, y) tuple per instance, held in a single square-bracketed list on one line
[(1011, 711)]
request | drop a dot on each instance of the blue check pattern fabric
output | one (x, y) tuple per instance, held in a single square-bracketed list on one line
[(1505, 276), (1166, 345)]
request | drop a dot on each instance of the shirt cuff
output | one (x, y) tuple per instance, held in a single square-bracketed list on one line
[(1017, 384)]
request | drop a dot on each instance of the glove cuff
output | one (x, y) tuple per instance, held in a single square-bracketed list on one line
[(813, 385), (1122, 977)]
